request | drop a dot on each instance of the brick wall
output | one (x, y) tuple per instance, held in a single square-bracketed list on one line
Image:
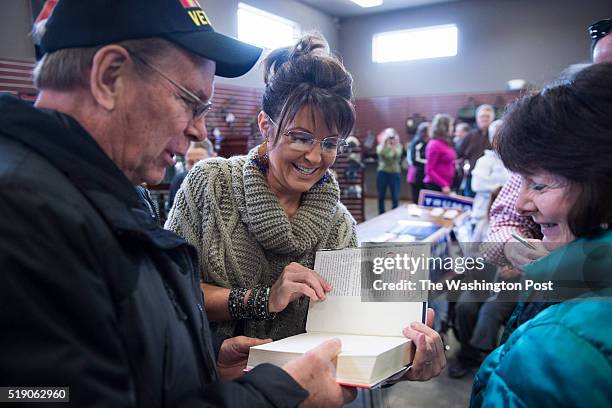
[(375, 114), (16, 78)]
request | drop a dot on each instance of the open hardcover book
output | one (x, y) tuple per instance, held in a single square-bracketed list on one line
[(373, 347)]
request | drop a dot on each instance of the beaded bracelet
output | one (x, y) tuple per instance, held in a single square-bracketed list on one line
[(260, 296), (256, 307), (235, 304)]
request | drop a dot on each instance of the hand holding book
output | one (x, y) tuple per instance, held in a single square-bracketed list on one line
[(233, 355), (315, 372), (429, 358)]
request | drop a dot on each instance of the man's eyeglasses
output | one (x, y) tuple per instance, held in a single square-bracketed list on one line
[(198, 107), (599, 30), (302, 141)]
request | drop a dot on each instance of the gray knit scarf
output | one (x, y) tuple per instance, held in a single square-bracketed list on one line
[(246, 238)]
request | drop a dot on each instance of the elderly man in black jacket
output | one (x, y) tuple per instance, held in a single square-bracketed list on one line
[(93, 294)]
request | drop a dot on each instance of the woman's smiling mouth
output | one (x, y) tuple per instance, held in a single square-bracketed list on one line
[(307, 171)]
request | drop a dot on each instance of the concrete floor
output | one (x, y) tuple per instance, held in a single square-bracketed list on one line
[(370, 206), (441, 391)]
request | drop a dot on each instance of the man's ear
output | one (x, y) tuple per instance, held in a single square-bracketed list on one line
[(107, 78)]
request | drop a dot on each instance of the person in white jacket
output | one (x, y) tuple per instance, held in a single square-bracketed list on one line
[(488, 175)]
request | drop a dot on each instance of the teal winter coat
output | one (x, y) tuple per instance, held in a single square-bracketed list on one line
[(563, 356)]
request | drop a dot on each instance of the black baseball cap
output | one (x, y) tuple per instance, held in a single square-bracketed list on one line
[(599, 30), (87, 23)]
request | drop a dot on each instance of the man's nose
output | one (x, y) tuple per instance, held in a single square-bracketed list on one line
[(196, 129)]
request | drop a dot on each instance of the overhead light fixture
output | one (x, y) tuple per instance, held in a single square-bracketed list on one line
[(368, 3)]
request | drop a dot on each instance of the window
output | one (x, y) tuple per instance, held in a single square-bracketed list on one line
[(418, 43), (368, 3), (265, 29)]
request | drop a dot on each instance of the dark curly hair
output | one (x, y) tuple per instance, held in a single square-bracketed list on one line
[(566, 130), (308, 75)]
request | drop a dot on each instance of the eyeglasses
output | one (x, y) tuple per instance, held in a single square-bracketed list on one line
[(199, 108), (599, 30), (303, 141)]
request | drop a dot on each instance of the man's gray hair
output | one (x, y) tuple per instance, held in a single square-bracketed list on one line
[(462, 126), (68, 69), (485, 107), (204, 144)]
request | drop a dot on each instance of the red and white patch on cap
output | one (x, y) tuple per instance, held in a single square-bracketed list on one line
[(190, 3), (196, 13), (46, 10)]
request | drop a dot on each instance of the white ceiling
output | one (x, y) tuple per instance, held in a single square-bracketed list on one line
[(346, 8)]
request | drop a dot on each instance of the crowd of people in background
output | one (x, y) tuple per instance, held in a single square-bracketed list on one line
[(443, 155)]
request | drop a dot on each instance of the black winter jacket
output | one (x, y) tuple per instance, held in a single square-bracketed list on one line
[(93, 294)]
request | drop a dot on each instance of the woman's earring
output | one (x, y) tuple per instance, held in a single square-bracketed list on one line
[(261, 157), (322, 180)]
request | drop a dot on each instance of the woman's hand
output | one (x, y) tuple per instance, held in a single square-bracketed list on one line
[(446, 190), (520, 255), (429, 359), (509, 272), (296, 281)]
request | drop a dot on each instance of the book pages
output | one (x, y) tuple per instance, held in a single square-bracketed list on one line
[(344, 311)]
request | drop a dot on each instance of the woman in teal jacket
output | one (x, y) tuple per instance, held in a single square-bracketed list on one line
[(558, 350)]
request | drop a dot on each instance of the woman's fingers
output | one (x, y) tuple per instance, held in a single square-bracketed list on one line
[(425, 352), (296, 268), (326, 286), (309, 278), (297, 281), (429, 359), (302, 288), (431, 316), (431, 334)]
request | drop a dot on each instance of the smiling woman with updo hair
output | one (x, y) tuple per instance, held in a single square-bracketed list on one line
[(560, 143), (257, 220)]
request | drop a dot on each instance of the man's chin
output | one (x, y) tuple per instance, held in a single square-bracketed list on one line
[(155, 177)]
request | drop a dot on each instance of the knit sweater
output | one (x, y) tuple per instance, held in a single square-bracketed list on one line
[(244, 237)]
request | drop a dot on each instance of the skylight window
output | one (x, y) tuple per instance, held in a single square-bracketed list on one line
[(368, 3), (265, 29), (414, 44)]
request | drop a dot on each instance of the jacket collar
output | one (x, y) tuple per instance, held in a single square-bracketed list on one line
[(585, 260), (61, 140)]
